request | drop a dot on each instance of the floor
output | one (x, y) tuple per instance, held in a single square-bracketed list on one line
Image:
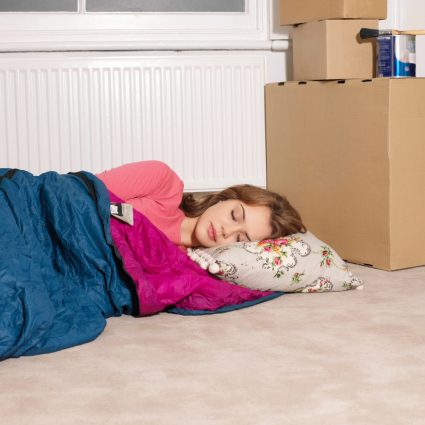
[(356, 357)]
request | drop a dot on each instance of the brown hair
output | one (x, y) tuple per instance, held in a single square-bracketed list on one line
[(285, 219)]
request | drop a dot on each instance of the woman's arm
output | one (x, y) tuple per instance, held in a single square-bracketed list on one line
[(152, 179)]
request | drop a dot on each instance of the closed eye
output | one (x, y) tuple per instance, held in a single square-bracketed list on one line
[(243, 218), (233, 216)]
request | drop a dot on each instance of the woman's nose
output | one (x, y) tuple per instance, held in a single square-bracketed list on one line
[(230, 230)]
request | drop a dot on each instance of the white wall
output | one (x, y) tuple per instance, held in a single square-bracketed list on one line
[(412, 16), (404, 15)]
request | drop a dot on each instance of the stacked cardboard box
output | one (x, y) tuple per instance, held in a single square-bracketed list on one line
[(295, 12), (350, 153), (326, 44)]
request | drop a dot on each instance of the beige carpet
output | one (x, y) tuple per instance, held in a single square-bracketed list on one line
[(356, 357)]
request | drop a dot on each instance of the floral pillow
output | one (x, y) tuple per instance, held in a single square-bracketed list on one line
[(296, 263)]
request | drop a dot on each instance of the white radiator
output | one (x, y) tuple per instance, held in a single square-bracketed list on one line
[(201, 113)]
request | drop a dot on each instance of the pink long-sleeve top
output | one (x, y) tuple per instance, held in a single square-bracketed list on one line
[(152, 188)]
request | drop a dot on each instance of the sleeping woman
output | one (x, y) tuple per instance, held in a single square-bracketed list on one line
[(65, 266), (238, 213)]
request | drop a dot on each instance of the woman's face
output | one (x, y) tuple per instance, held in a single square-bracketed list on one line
[(232, 221)]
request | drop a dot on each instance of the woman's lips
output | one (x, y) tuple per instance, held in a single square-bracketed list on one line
[(211, 233)]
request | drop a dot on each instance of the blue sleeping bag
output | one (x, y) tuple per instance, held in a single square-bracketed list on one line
[(59, 275)]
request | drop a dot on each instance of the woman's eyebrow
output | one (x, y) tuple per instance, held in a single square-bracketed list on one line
[(243, 218)]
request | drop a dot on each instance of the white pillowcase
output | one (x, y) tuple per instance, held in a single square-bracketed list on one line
[(296, 263)]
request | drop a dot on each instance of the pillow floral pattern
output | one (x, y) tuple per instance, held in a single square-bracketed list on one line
[(295, 263)]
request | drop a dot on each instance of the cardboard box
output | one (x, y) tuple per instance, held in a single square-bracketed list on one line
[(300, 11), (332, 49), (350, 156)]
